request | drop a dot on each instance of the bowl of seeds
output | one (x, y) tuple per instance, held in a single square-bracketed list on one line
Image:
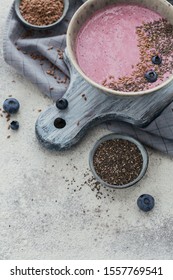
[(118, 161), (123, 47), (41, 14)]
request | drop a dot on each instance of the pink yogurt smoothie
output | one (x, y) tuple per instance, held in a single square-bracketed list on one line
[(107, 43)]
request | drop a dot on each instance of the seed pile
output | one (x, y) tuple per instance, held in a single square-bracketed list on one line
[(41, 12), (154, 39), (118, 161)]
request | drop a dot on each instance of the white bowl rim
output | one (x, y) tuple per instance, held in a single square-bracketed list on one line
[(102, 88)]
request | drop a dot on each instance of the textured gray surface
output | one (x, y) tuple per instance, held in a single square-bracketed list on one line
[(42, 217)]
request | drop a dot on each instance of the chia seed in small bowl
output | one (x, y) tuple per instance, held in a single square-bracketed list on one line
[(41, 14), (118, 161)]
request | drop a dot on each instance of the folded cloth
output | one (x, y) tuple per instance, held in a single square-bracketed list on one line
[(38, 56), (157, 135)]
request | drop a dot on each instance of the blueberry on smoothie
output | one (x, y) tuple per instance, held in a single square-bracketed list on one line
[(151, 76), (157, 59)]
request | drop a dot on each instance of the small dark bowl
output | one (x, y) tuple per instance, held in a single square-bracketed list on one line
[(114, 136), (42, 27)]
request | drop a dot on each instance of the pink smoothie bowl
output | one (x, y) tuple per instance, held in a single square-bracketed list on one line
[(84, 13)]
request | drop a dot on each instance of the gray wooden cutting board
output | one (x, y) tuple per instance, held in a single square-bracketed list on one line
[(87, 107)]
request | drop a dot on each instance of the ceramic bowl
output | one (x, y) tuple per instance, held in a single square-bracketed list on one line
[(89, 7), (43, 27), (114, 136)]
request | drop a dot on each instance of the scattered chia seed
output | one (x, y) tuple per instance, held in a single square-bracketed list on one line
[(90, 182), (117, 162)]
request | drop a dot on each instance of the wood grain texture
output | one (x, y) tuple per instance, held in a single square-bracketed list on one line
[(89, 106)]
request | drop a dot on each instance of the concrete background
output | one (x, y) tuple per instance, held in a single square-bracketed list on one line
[(49, 209)]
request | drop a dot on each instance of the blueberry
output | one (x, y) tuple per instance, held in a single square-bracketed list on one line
[(157, 59), (145, 202), (62, 104), (11, 105), (14, 125), (151, 76)]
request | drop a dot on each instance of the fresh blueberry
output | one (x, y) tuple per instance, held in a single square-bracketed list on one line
[(14, 125), (145, 202), (62, 104), (151, 76), (157, 59), (11, 105)]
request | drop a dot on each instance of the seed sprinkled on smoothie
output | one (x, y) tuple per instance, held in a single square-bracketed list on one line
[(126, 41), (155, 42)]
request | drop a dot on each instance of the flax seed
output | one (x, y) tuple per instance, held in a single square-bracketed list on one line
[(41, 12)]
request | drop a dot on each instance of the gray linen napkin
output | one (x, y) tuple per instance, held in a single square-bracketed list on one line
[(23, 50)]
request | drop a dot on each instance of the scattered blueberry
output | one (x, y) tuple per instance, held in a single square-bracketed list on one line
[(151, 76), (145, 202), (11, 105), (157, 59), (62, 104), (14, 125)]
